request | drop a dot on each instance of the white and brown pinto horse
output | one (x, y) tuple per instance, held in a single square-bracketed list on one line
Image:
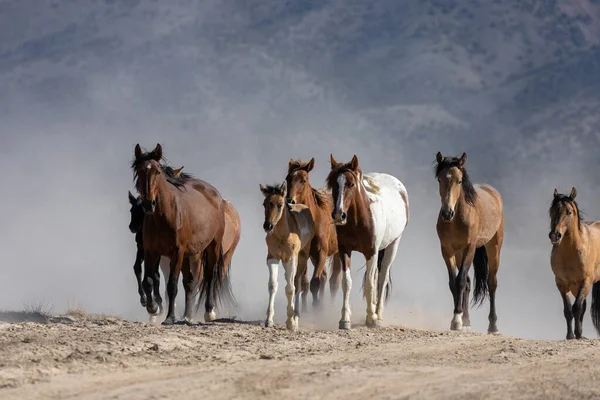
[(370, 212)]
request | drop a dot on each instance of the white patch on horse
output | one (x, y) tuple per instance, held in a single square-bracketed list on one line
[(149, 166), (341, 181)]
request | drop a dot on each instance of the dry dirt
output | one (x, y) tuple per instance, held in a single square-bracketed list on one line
[(103, 357)]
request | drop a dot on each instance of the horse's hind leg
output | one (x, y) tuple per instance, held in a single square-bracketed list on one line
[(579, 307), (188, 287), (175, 270), (387, 258), (493, 251), (165, 269)]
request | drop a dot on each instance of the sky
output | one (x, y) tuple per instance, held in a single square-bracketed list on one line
[(233, 90)]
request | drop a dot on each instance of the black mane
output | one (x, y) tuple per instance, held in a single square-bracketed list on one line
[(177, 181), (467, 185), (562, 199), (273, 189)]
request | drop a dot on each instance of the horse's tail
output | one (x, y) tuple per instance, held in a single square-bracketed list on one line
[(595, 310), (216, 283), (481, 268), (388, 287)]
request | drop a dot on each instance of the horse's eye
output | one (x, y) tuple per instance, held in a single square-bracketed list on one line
[(279, 206), (460, 182), (303, 181), (568, 212)]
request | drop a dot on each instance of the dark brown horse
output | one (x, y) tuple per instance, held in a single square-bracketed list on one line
[(324, 243), (185, 221), (470, 227)]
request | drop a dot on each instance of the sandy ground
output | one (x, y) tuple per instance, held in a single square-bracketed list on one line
[(107, 358)]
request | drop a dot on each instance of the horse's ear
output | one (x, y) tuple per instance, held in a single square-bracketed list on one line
[(462, 160), (573, 194), (555, 192), (291, 165), (283, 189), (310, 165), (263, 189), (439, 157), (354, 163), (177, 171), (157, 152), (333, 162), (132, 198), (138, 151)]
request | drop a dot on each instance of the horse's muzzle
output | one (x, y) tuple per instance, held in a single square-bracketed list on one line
[(447, 214), (555, 237), (291, 201), (339, 217), (149, 206), (268, 226)]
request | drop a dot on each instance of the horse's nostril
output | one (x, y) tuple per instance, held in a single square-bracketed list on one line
[(344, 216), (333, 215)]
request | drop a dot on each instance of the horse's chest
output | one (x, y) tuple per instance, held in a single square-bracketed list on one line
[(283, 248)]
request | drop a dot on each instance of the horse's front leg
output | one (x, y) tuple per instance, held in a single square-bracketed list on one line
[(318, 280), (460, 288), (273, 265), (176, 264), (137, 269), (188, 286), (291, 266), (345, 321), (450, 260), (150, 264)]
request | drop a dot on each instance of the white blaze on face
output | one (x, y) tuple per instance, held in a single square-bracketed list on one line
[(339, 203)]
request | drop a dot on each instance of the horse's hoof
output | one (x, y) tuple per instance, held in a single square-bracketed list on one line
[(570, 337), (188, 320), (372, 322), (292, 325), (492, 331), (152, 319), (457, 323), (168, 321), (269, 324), (210, 316), (152, 309), (467, 329), (345, 325)]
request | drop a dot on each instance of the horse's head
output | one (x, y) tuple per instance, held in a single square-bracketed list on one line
[(147, 169), (453, 182), (137, 214), (297, 178), (344, 182), (564, 216), (275, 198)]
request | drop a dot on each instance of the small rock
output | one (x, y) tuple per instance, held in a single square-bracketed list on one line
[(154, 347), (266, 357)]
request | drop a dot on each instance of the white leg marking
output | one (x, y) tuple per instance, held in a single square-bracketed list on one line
[(346, 287), (456, 324), (290, 275), (210, 316), (273, 266), (370, 294), (165, 268)]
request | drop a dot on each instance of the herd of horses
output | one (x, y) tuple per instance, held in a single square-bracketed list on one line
[(182, 225)]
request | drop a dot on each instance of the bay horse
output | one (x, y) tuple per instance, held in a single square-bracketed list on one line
[(470, 227), (290, 230), (370, 212), (324, 244), (575, 260), (185, 221)]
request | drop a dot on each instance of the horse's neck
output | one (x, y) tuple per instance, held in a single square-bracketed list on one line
[(574, 239), (308, 199), (166, 205), (286, 223), (359, 209)]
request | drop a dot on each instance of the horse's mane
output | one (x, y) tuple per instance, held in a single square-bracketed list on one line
[(177, 181), (368, 183), (561, 199), (272, 190), (467, 185)]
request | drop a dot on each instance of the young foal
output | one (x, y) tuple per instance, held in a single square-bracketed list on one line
[(185, 221), (290, 230), (470, 227), (370, 212), (575, 260), (324, 244)]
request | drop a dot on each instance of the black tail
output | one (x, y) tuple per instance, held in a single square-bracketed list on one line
[(481, 268), (595, 311), (216, 283), (388, 288)]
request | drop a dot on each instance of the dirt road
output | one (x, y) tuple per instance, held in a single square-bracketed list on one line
[(99, 358)]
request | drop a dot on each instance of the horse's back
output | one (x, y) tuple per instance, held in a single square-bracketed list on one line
[(389, 206)]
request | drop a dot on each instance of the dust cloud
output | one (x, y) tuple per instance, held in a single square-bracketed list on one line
[(232, 93)]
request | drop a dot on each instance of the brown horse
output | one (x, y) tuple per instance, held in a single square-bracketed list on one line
[(370, 212), (290, 230), (575, 260), (470, 227), (185, 221), (324, 244)]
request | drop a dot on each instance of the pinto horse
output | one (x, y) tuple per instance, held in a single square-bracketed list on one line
[(185, 221), (575, 260), (470, 227), (290, 230), (324, 244), (370, 213)]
